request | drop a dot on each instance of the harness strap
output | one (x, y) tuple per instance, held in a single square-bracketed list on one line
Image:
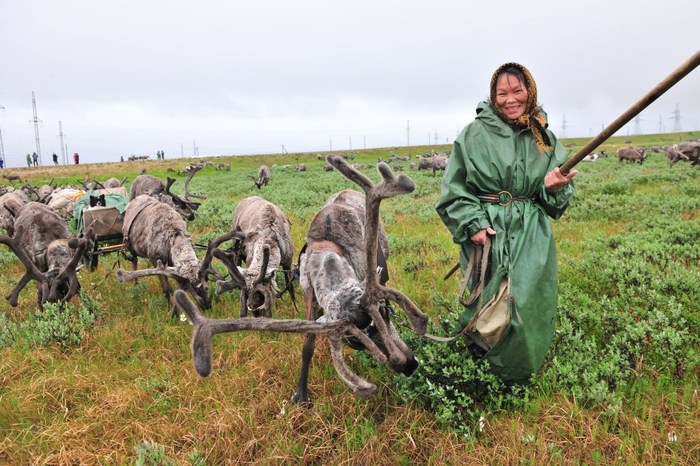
[(479, 256), (127, 226)]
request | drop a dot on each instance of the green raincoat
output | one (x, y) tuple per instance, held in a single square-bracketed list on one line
[(488, 157)]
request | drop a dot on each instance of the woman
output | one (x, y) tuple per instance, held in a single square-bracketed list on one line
[(503, 181)]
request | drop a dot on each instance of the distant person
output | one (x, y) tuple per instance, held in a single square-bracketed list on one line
[(29, 159), (121, 158), (55, 158), (76, 158), (162, 155), (35, 159), (2, 163)]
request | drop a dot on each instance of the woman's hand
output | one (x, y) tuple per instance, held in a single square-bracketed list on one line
[(555, 179), (480, 236)]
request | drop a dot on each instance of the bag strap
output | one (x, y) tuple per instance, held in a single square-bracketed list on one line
[(481, 255)]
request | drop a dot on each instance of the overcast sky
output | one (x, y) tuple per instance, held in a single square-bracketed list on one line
[(232, 77)]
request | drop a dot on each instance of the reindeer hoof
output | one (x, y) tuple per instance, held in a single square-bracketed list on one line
[(302, 398)]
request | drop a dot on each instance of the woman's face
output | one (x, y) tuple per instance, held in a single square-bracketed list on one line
[(511, 96)]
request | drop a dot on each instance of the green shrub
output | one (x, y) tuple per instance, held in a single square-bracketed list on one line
[(449, 383), (64, 324)]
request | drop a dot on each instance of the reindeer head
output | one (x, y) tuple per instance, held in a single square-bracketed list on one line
[(182, 206), (60, 281), (257, 281)]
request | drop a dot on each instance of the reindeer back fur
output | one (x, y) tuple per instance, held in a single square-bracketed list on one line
[(156, 231), (13, 201), (342, 221)]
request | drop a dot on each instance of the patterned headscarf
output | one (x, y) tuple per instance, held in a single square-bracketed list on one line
[(533, 117)]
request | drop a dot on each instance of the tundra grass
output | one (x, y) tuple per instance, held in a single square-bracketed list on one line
[(129, 392)]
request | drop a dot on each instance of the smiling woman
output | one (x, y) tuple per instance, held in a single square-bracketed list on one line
[(500, 185)]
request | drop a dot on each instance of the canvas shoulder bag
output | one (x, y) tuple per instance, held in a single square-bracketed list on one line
[(492, 316)]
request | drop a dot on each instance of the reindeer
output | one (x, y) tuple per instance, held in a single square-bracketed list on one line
[(155, 188), (48, 251), (265, 243), (11, 177), (631, 154), (688, 151), (263, 176), (337, 283), (156, 231)]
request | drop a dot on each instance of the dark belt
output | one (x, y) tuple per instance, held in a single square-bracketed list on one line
[(503, 198)]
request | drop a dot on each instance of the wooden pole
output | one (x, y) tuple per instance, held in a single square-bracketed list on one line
[(680, 72)]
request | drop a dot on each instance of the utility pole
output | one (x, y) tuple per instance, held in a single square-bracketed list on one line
[(350, 141), (436, 137), (194, 148), (2, 149), (36, 129), (563, 126), (408, 131), (677, 120), (182, 151), (330, 147), (284, 151), (64, 155), (364, 142)]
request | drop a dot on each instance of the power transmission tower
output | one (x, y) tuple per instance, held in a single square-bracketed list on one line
[(677, 120), (2, 148), (436, 137), (408, 131), (563, 126), (64, 155), (36, 121), (350, 140), (637, 126)]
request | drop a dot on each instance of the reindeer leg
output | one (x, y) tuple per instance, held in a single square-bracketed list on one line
[(13, 297), (168, 292), (301, 394), (243, 299)]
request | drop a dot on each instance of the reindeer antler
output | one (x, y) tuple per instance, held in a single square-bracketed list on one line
[(32, 272), (205, 329), (194, 169), (191, 204), (237, 278), (160, 269), (213, 245)]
